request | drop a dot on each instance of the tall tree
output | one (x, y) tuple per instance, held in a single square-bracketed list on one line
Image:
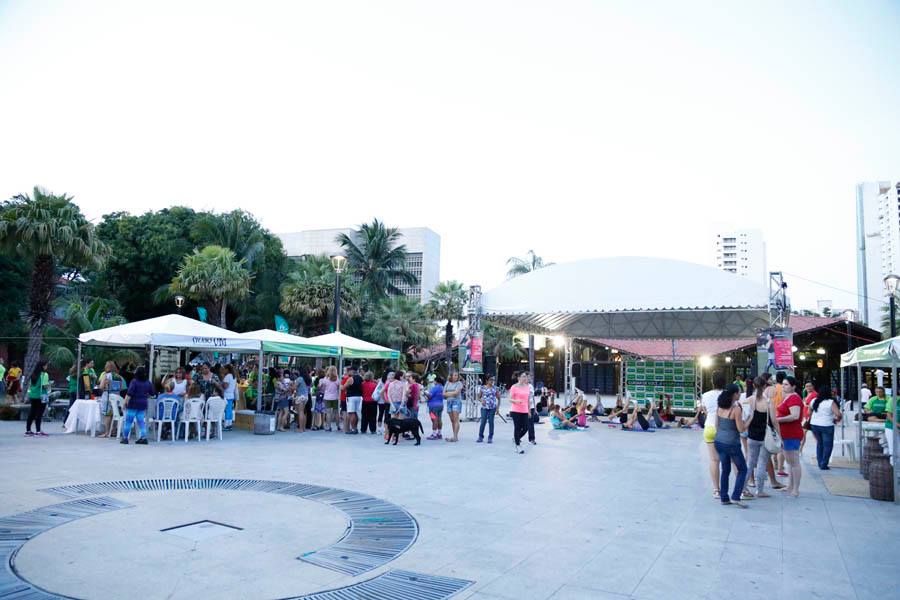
[(378, 260), (238, 231), (402, 323), (308, 296), (50, 233), (212, 275), (448, 303), (148, 248), (519, 266)]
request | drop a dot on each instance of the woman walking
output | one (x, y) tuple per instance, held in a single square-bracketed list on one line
[(136, 398), (824, 413), (728, 444), (789, 414), (38, 390), (763, 417), (518, 409), (453, 395), (436, 407), (331, 393), (488, 397)]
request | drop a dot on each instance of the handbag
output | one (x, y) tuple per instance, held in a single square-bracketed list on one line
[(772, 441)]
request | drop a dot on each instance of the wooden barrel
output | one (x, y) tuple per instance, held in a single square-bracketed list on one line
[(881, 478), (873, 448)]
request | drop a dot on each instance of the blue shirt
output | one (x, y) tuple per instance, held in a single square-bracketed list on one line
[(436, 395), (138, 393)]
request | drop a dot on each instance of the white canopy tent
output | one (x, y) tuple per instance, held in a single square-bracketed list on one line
[(884, 354), (171, 331), (630, 297)]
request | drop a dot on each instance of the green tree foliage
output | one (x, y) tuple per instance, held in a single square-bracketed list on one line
[(82, 314), (402, 323), (519, 266), (501, 343), (13, 301), (308, 297), (48, 232), (146, 251), (377, 259), (447, 303), (215, 277)]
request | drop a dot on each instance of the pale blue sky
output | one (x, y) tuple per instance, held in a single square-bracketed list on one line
[(574, 128)]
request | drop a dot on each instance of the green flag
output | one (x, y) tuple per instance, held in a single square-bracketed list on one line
[(202, 312), (281, 324)]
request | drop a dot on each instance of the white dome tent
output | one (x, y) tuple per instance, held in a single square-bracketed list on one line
[(628, 297)]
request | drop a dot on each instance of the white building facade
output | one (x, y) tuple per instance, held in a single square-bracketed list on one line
[(743, 252), (423, 253), (877, 245)]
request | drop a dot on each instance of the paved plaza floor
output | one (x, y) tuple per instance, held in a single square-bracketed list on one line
[(591, 514)]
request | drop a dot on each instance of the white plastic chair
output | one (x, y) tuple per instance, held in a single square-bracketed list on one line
[(215, 413), (118, 415), (193, 413), (166, 412)]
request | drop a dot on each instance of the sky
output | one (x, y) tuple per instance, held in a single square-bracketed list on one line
[(576, 129)]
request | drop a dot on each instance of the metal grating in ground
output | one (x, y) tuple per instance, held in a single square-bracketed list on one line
[(17, 529), (379, 531), (396, 584)]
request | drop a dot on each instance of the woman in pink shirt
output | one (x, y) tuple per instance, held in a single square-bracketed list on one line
[(519, 395)]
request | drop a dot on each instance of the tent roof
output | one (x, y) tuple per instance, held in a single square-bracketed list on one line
[(285, 343), (630, 297), (352, 347), (175, 331), (879, 354)]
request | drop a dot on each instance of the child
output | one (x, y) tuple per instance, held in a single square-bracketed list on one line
[(559, 421)]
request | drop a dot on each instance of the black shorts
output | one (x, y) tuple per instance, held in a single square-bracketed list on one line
[(642, 421), (343, 406)]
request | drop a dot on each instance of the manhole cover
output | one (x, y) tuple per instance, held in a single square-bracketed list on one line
[(201, 530)]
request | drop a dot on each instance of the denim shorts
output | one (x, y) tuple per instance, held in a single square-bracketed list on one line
[(354, 403), (791, 445), (454, 405)]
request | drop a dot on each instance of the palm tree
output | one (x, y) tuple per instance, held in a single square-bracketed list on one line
[(502, 344), (886, 321), (215, 276), (83, 314), (238, 231), (313, 302), (400, 322), (378, 260), (50, 232), (520, 266), (447, 303)]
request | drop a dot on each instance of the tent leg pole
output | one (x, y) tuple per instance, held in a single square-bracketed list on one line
[(843, 420), (150, 373), (893, 432), (79, 381), (859, 436), (259, 383)]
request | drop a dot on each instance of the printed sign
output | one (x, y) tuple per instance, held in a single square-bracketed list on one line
[(775, 350), (471, 353)]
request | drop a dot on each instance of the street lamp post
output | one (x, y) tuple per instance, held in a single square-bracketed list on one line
[(338, 262), (891, 283), (179, 302)]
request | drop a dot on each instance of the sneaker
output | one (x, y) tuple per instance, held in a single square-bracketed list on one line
[(519, 450), (42, 434), (29, 434), (532, 442), (439, 436), (124, 441), (490, 440), (479, 440), (433, 436), (142, 442)]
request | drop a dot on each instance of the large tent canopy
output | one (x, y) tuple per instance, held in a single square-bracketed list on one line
[(351, 347), (879, 354), (173, 331), (630, 297), (278, 342)]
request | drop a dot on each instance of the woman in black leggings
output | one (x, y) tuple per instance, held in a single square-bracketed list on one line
[(38, 388)]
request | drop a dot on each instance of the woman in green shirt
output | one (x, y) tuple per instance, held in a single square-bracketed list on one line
[(38, 394), (875, 408)]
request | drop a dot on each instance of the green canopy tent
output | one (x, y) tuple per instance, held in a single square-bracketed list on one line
[(285, 344), (884, 354), (350, 347)]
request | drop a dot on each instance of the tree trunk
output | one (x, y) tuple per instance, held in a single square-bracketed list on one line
[(448, 343), (222, 314), (40, 305)]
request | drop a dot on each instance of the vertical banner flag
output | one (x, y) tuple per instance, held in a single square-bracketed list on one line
[(281, 324), (775, 350), (471, 351), (202, 313)]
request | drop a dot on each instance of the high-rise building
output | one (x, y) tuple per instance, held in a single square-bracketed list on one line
[(423, 253), (877, 245), (742, 252)]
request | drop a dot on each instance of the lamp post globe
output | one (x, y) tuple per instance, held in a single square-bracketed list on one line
[(179, 302)]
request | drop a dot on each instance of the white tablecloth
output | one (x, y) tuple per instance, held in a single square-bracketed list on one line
[(86, 412)]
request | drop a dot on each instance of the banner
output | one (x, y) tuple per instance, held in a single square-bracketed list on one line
[(775, 351), (281, 324), (647, 379), (471, 353), (202, 313)]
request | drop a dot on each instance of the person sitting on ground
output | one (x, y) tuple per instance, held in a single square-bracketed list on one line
[(665, 408), (636, 417), (699, 418), (559, 421), (594, 413), (620, 412), (581, 416)]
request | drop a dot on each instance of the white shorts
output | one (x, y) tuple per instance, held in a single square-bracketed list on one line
[(354, 403)]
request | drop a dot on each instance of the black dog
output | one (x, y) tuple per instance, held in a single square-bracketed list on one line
[(398, 426)]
